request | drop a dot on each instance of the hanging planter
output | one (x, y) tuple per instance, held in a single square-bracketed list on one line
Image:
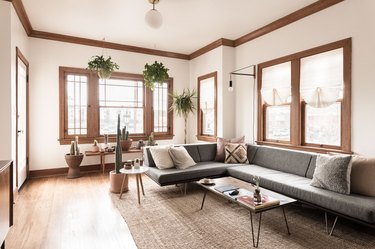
[(104, 67), (155, 73)]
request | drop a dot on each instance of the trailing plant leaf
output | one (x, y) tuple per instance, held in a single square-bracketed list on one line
[(155, 73), (104, 67)]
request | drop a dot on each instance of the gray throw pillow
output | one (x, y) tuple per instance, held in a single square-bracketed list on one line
[(333, 173)]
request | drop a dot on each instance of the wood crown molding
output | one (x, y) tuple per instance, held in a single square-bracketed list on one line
[(288, 19)]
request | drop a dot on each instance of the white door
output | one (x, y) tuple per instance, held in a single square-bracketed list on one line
[(22, 77)]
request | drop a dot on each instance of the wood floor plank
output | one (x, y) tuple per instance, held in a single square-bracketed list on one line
[(56, 212)]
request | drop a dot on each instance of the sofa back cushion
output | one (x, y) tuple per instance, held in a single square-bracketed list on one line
[(192, 149), (288, 161), (251, 151), (207, 152), (312, 166)]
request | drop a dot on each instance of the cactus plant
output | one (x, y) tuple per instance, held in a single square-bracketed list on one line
[(118, 163), (74, 149), (124, 134), (151, 140)]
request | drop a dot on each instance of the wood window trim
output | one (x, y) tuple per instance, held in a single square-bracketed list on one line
[(93, 103), (297, 109), (201, 136)]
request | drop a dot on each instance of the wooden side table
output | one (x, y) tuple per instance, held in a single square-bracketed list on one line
[(138, 175), (103, 154)]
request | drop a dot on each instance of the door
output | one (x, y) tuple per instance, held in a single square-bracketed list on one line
[(22, 70)]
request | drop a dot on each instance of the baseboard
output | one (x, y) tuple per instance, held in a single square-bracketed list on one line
[(64, 171)]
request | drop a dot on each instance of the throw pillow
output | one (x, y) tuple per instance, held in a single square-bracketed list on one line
[(235, 153), (161, 157), (333, 173), (181, 158), (220, 153), (363, 175)]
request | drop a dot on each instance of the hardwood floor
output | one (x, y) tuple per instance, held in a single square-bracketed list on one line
[(56, 212)]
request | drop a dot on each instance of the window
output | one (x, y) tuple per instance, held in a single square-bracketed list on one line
[(304, 99), (207, 107), (89, 106)]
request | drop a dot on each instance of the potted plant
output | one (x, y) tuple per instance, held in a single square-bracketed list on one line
[(126, 142), (95, 147), (183, 104), (151, 140), (115, 177), (104, 67), (155, 73), (74, 159)]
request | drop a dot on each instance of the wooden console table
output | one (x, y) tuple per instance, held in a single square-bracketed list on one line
[(6, 199), (103, 154)]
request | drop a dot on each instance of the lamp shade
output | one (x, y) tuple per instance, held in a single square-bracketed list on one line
[(153, 18)]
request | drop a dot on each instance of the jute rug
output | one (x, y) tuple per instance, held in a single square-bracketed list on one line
[(168, 219)]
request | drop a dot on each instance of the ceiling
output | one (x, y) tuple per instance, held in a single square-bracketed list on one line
[(188, 25)]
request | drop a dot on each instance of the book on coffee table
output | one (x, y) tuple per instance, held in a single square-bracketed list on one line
[(267, 201), (225, 188)]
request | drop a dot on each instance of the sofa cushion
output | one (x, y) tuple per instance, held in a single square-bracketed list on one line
[(181, 158), (161, 157), (147, 157), (220, 146), (363, 176), (235, 153), (192, 149), (251, 151), (333, 173), (312, 166), (288, 161), (207, 152), (357, 206), (199, 171)]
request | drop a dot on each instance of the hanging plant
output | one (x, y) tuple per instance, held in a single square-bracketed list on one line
[(104, 67), (155, 73)]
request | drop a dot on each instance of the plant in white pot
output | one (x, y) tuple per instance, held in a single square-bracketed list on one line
[(115, 177), (104, 67), (154, 74), (74, 160), (183, 105)]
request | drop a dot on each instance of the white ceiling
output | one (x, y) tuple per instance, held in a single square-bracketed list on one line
[(187, 24)]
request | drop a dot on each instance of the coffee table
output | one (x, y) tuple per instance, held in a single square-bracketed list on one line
[(138, 175), (284, 200)]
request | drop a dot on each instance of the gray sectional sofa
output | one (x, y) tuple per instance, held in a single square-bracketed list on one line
[(284, 171)]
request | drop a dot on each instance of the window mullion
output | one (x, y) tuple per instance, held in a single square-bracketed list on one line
[(93, 106), (295, 117)]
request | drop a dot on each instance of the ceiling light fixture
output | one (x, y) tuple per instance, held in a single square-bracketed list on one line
[(153, 17)]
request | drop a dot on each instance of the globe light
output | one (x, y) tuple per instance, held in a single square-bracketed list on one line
[(154, 19)]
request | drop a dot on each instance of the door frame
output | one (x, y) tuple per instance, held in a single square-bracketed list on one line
[(20, 56)]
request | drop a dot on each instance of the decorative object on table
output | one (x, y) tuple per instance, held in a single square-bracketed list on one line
[(140, 144), (183, 105), (128, 164), (136, 163), (207, 181), (126, 142), (104, 67), (154, 74), (74, 159), (151, 140), (115, 177), (95, 146), (257, 196), (153, 17)]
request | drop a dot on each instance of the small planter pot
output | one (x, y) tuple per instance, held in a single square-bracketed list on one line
[(115, 181), (95, 148), (126, 144), (74, 161)]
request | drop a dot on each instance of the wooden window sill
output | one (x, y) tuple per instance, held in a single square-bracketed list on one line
[(304, 148)]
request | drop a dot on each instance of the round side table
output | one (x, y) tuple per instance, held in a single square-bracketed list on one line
[(138, 175)]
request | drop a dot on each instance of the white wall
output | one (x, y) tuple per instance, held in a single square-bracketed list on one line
[(46, 57), (5, 81), (349, 18)]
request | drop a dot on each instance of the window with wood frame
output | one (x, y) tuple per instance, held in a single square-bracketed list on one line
[(304, 99), (89, 106), (207, 107)]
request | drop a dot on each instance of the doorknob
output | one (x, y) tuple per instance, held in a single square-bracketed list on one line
[(20, 131)]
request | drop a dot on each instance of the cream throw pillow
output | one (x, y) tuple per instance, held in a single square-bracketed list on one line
[(181, 158), (161, 157)]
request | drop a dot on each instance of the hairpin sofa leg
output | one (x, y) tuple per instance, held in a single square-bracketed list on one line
[(333, 226)]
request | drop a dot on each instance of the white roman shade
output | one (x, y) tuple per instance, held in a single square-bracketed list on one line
[(322, 78), (276, 84)]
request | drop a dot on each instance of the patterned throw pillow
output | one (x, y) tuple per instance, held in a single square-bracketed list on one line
[(221, 142), (235, 153)]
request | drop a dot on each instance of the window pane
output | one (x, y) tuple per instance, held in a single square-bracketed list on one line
[(207, 106), (132, 118), (124, 97), (160, 97), (278, 123), (323, 125), (76, 92)]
